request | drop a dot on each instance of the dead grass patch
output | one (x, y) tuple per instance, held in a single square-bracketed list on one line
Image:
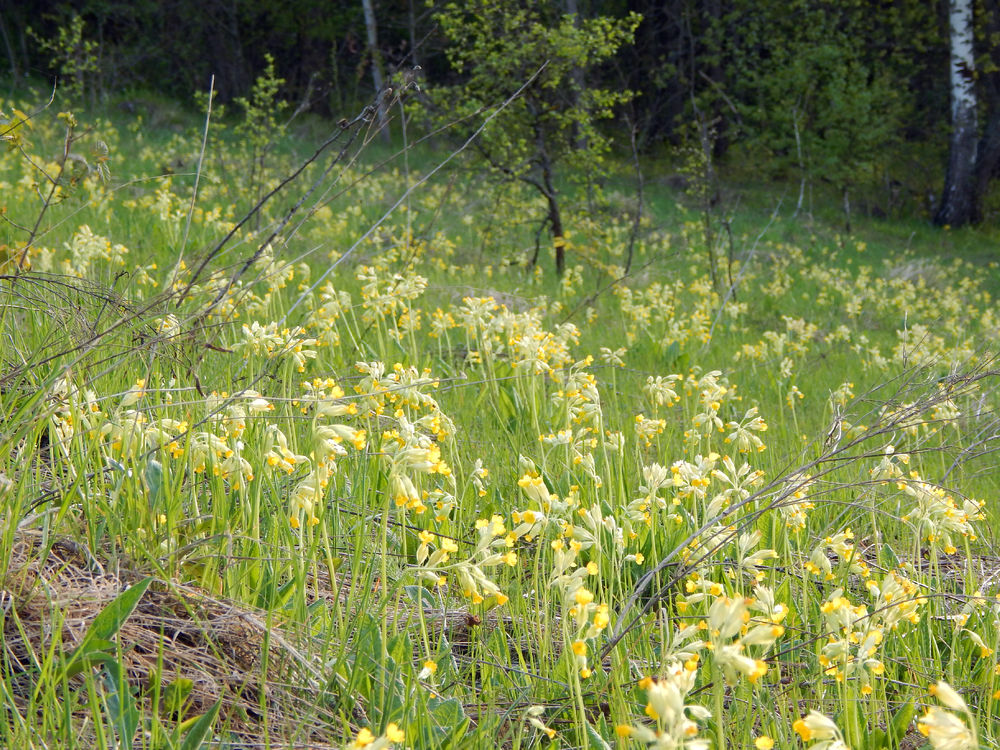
[(263, 675)]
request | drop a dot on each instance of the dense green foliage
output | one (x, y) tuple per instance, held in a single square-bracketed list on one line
[(528, 66), (854, 93)]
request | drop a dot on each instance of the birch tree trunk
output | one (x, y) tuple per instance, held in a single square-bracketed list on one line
[(378, 75), (959, 201)]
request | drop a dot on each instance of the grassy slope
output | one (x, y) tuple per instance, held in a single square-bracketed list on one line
[(515, 645)]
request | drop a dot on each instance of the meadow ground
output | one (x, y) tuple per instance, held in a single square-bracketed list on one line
[(350, 471)]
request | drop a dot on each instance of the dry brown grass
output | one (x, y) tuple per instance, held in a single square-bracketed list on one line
[(261, 674)]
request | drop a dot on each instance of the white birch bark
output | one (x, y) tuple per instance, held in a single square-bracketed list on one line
[(376, 60), (963, 64), (958, 203)]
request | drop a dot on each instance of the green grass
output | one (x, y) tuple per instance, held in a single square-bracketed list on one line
[(385, 477)]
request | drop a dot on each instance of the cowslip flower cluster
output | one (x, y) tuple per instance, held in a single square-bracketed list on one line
[(661, 390), (853, 639), (936, 514), (269, 342), (494, 547), (583, 618), (743, 434), (656, 479), (676, 723), (793, 503), (732, 630), (841, 545), (944, 729)]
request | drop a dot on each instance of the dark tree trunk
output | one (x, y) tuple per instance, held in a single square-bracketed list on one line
[(988, 154), (412, 18), (576, 75), (548, 189), (555, 221), (987, 160), (224, 48), (959, 201), (15, 74)]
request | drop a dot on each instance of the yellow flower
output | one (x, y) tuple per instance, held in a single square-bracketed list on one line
[(946, 731), (947, 695), (763, 742), (393, 733), (816, 726), (364, 738)]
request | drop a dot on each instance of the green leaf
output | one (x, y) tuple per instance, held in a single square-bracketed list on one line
[(671, 353), (447, 712), (420, 595), (120, 703), (154, 481), (175, 694), (449, 722), (876, 740), (200, 727), (594, 739), (96, 643), (887, 557), (505, 404), (107, 624), (400, 648), (901, 721)]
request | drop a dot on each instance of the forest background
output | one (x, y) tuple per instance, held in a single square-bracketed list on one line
[(857, 95)]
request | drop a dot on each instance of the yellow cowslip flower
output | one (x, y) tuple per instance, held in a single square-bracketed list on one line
[(601, 617), (134, 394), (393, 733), (534, 716), (364, 738), (816, 726), (430, 667), (947, 695), (946, 731)]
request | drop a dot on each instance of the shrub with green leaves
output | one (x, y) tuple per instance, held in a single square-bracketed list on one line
[(551, 128)]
